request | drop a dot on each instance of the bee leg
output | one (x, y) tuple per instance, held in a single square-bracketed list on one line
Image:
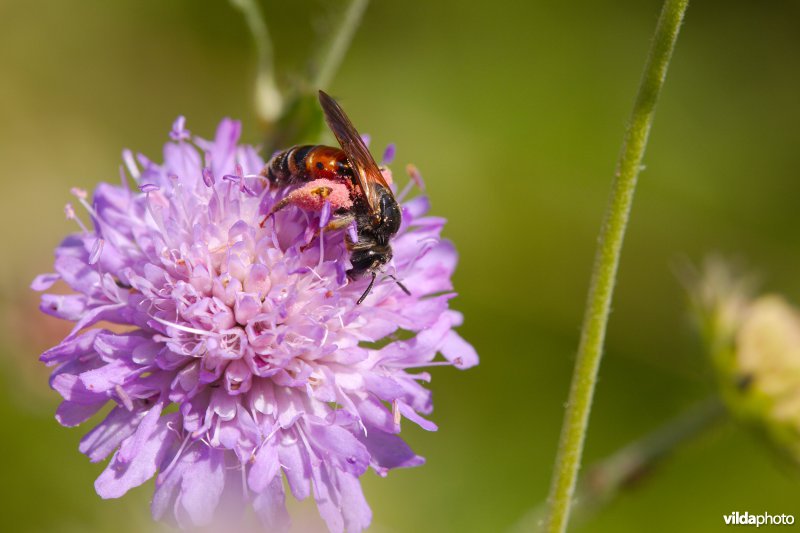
[(275, 208), (336, 223), (298, 197), (312, 197)]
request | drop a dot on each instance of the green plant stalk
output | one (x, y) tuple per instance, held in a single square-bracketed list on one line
[(268, 99), (612, 233), (302, 121), (332, 52)]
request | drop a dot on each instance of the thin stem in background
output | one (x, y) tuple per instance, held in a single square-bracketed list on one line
[(268, 99), (301, 121), (332, 52), (627, 466), (612, 233)]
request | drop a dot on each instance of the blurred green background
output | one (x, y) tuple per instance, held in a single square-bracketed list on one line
[(514, 112)]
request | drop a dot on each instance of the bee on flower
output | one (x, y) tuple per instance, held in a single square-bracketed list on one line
[(241, 358)]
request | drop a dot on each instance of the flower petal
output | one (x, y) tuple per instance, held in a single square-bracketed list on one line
[(459, 351), (389, 451), (43, 282), (132, 446), (201, 488), (70, 414), (119, 477), (76, 347), (412, 415), (327, 497), (340, 447), (270, 507), (265, 467), (108, 434), (355, 511), (296, 466)]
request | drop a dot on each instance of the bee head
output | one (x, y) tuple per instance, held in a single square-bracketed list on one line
[(369, 259)]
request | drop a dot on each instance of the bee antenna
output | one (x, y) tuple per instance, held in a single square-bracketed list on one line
[(400, 284), (369, 288), (372, 283)]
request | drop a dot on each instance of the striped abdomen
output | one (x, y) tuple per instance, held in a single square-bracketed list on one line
[(305, 163)]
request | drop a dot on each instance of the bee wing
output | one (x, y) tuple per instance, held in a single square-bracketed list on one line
[(364, 166)]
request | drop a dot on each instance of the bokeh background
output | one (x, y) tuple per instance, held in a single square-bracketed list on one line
[(514, 112)]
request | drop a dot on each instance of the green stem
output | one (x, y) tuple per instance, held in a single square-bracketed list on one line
[(268, 99), (332, 53), (612, 233), (302, 120), (625, 467)]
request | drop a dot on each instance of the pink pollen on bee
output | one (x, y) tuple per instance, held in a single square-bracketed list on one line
[(313, 195)]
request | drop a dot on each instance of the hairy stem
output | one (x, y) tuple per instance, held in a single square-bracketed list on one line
[(612, 233), (268, 99), (332, 52)]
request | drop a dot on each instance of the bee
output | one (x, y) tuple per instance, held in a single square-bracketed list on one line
[(372, 207)]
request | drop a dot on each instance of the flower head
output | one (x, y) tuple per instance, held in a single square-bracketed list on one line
[(754, 343), (236, 355)]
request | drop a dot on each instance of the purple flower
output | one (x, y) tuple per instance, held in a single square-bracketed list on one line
[(239, 356)]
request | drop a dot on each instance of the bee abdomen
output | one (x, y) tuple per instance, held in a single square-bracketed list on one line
[(288, 167)]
